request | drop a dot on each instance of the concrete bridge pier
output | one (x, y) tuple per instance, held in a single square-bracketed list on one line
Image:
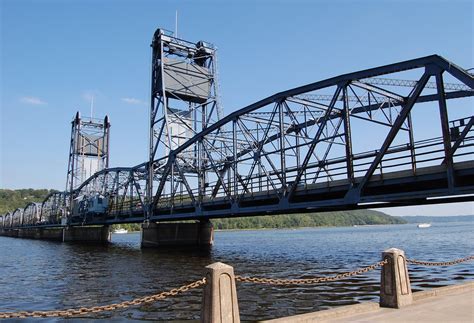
[(55, 234), (96, 234), (13, 233), (99, 234), (176, 234)]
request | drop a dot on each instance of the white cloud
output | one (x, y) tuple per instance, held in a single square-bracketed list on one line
[(32, 100), (134, 101)]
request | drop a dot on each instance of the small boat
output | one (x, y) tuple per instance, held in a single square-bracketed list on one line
[(424, 225), (120, 231)]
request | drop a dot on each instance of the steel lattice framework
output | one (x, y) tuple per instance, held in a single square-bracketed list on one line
[(184, 101), (293, 151), (348, 142), (89, 149)]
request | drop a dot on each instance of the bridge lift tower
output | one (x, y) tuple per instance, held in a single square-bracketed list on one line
[(88, 152), (184, 102)]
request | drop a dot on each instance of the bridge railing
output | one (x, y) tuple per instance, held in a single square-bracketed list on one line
[(424, 153), (303, 136)]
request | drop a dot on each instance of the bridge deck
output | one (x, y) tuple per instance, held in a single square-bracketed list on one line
[(428, 182)]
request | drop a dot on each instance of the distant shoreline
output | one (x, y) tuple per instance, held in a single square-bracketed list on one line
[(295, 228), (454, 218), (314, 227)]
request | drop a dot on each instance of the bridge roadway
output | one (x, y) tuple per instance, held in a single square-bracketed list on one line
[(399, 188)]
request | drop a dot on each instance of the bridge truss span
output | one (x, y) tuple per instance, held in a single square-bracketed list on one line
[(400, 134), (343, 143), (112, 195)]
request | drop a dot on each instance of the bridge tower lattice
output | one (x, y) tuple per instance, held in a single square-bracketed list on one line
[(184, 101), (88, 151)]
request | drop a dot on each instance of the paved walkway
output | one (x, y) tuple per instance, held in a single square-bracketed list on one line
[(445, 304), (456, 307)]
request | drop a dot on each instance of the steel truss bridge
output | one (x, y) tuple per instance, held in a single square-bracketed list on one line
[(400, 134)]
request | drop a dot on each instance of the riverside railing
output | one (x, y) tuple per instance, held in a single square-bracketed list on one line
[(220, 303)]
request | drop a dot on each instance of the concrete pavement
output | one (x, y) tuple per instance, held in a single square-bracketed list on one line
[(445, 304)]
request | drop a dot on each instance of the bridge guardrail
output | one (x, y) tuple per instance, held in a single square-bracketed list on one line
[(228, 271)]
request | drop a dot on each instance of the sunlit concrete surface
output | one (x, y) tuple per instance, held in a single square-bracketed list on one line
[(445, 304)]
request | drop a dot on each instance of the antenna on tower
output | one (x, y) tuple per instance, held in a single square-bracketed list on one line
[(176, 25), (92, 106)]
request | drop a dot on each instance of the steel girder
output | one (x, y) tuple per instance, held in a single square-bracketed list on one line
[(301, 150), (32, 214), (54, 208), (123, 187), (282, 145), (184, 101)]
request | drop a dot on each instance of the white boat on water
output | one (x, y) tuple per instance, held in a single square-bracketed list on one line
[(120, 231), (424, 225)]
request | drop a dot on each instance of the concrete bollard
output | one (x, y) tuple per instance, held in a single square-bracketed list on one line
[(219, 303), (395, 289)]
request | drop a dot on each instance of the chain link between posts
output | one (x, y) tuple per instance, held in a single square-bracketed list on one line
[(201, 282), (445, 263), (309, 281), (104, 308)]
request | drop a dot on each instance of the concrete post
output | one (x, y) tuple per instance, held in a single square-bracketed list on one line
[(219, 303), (395, 289)]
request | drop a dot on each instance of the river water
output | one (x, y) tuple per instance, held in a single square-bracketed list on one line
[(42, 275)]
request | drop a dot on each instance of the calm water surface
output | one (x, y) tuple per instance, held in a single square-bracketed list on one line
[(41, 275)]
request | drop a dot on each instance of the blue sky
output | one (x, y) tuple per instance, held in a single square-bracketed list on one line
[(55, 55)]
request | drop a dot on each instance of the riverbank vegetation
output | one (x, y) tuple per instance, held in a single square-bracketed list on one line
[(326, 219), (12, 199)]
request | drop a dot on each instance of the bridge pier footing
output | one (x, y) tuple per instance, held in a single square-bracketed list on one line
[(100, 234), (55, 234), (177, 234), (13, 233)]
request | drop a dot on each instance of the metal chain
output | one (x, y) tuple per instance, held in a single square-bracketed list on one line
[(309, 281), (201, 282), (110, 307), (446, 263)]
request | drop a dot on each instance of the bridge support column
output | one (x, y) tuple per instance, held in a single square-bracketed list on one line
[(395, 289), (100, 234), (177, 234), (55, 234), (28, 233), (12, 233)]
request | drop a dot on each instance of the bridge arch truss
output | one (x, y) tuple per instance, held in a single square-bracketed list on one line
[(306, 148), (364, 139)]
